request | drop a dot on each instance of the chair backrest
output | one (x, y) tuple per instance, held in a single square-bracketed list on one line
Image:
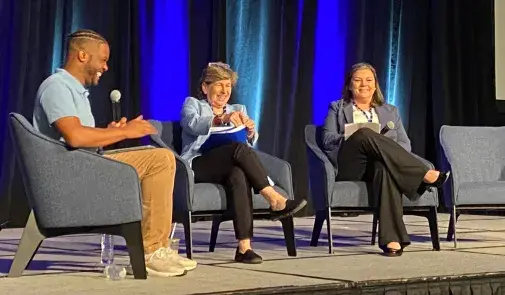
[(32, 149), (476, 154), (321, 171), (170, 134), (313, 137)]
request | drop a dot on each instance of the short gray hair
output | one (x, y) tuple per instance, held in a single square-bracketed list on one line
[(216, 71)]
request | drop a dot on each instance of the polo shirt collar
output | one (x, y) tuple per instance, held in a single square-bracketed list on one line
[(73, 81)]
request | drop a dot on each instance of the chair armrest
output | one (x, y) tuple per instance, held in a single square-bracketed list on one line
[(322, 176), (184, 184), (129, 149), (279, 171), (428, 194), (426, 162), (184, 179), (79, 188)]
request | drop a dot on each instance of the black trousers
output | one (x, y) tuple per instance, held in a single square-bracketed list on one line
[(237, 167), (389, 171)]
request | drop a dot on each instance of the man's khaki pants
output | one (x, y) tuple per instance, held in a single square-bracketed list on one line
[(156, 169)]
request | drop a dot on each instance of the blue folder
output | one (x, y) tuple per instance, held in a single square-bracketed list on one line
[(219, 139)]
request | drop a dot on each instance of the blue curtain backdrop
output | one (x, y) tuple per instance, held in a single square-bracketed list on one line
[(269, 43), (434, 60)]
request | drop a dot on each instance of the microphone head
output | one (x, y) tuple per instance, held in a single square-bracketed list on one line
[(115, 96), (391, 125)]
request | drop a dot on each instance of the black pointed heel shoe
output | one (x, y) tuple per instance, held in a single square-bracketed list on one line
[(442, 178)]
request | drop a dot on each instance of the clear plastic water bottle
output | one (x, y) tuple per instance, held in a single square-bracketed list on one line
[(111, 271), (107, 254), (114, 272)]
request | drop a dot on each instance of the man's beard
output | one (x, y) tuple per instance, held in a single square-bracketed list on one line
[(90, 74)]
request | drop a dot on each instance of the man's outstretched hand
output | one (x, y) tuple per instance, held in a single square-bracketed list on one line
[(135, 128), (139, 127), (121, 123)]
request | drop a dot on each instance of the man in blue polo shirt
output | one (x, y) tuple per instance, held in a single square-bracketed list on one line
[(62, 111)]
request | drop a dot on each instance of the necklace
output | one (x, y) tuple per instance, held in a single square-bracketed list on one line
[(219, 116), (365, 113), (224, 110)]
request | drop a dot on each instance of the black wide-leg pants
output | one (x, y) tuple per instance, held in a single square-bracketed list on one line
[(389, 171)]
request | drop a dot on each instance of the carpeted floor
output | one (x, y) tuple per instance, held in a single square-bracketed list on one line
[(70, 265)]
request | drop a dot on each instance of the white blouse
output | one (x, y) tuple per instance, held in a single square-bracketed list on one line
[(359, 117)]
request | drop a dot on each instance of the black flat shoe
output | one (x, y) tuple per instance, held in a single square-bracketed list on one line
[(248, 257), (389, 252), (292, 206)]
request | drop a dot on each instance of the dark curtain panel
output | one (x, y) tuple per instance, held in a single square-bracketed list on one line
[(371, 36), (32, 45), (435, 61), (462, 69), (414, 75), (462, 66), (275, 79), (26, 55), (292, 109), (443, 56), (207, 36), (463, 62)]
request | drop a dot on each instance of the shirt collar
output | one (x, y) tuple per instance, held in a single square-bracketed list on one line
[(225, 108), (73, 81)]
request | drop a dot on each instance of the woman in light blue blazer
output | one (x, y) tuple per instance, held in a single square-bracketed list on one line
[(383, 159), (235, 165)]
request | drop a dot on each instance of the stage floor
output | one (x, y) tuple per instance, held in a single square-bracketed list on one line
[(69, 265)]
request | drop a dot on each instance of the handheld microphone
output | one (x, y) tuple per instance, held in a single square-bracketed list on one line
[(389, 126), (115, 96)]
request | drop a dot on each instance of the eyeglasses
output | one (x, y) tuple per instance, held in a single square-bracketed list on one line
[(219, 65)]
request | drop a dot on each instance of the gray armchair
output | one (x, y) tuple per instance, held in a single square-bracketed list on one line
[(336, 197), (193, 202), (476, 156), (74, 191)]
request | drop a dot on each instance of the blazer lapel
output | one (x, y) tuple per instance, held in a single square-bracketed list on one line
[(381, 113), (349, 118)]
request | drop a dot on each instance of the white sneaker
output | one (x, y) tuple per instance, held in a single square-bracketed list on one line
[(161, 264), (188, 264)]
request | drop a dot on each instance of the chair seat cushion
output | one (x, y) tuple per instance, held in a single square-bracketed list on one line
[(355, 194), (211, 196), (481, 193)]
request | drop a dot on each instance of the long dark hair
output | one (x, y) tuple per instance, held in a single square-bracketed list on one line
[(377, 98)]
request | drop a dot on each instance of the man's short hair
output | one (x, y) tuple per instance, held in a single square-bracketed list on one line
[(77, 39)]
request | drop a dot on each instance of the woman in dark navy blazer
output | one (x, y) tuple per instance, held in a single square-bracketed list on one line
[(383, 160)]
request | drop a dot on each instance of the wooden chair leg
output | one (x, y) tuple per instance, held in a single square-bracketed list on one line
[(433, 222), (288, 226), (132, 233), (452, 223), (451, 231), (318, 226), (188, 234), (328, 229), (375, 224), (216, 222)]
